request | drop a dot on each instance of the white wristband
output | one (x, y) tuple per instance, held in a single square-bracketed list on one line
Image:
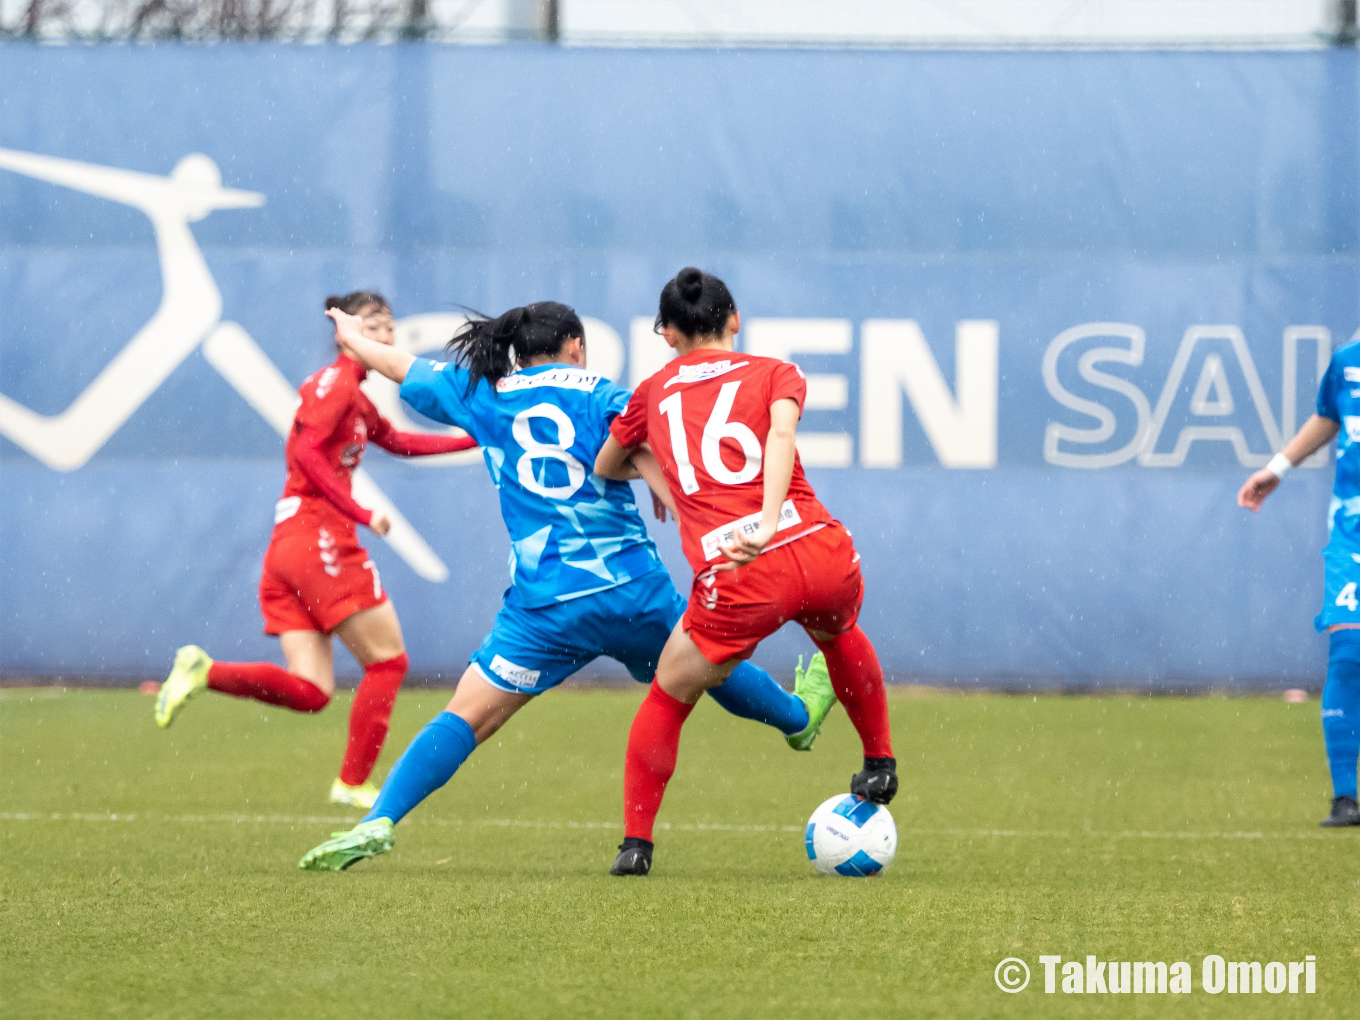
[(1280, 465)]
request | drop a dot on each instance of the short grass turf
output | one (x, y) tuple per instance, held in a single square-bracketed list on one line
[(1133, 829)]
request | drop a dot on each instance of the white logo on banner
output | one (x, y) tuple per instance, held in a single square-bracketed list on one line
[(1212, 393), (189, 314)]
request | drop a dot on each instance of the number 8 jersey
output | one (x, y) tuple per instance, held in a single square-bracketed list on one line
[(572, 533), (706, 416)]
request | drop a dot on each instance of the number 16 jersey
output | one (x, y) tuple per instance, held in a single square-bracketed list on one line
[(706, 416)]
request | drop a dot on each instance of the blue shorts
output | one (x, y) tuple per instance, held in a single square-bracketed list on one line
[(1341, 603), (530, 651)]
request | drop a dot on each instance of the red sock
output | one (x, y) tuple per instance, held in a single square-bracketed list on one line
[(653, 743), (267, 682), (858, 680), (368, 718)]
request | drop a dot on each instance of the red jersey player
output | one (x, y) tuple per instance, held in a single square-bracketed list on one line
[(763, 548), (317, 578)]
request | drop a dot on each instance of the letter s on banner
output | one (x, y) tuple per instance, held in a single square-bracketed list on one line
[(1057, 433)]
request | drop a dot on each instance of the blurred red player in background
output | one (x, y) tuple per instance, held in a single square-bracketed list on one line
[(317, 578)]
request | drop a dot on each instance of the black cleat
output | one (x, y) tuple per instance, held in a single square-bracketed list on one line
[(1344, 812), (635, 857), (878, 782)]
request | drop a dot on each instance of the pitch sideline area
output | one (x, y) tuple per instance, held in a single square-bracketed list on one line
[(153, 873)]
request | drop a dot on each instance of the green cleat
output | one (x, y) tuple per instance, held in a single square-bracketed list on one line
[(188, 679), (814, 690), (365, 795), (367, 839)]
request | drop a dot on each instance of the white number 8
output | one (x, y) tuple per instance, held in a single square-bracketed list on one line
[(534, 450)]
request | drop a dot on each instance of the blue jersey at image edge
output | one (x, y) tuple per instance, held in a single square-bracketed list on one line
[(1339, 400)]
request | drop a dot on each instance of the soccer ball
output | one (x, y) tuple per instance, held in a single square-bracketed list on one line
[(851, 837)]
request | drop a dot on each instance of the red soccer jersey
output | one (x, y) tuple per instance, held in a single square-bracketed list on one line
[(706, 416), (330, 431)]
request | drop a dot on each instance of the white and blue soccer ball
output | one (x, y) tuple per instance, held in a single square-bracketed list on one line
[(851, 837)]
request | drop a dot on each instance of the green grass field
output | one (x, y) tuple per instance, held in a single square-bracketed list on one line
[(153, 874)]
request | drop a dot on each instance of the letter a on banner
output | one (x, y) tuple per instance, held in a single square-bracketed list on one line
[(1211, 400)]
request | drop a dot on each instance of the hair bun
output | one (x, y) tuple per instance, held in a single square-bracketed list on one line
[(690, 283), (334, 302)]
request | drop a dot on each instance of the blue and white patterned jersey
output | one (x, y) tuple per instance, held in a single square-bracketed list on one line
[(572, 533), (1339, 400)]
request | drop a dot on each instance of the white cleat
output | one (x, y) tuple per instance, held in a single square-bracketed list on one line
[(365, 795)]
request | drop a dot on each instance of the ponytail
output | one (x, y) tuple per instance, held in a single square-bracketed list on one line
[(490, 348), (696, 303)]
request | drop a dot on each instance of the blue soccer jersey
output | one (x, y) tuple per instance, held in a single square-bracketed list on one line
[(1339, 400), (571, 532)]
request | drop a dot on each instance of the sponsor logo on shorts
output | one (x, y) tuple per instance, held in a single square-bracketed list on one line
[(1352, 427), (512, 674), (1352, 373), (705, 370), (748, 525)]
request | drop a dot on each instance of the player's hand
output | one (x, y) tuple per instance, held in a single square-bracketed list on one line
[(348, 328), (380, 523), (745, 548), (659, 508), (1257, 488)]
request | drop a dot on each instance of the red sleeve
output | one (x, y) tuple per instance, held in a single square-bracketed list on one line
[(326, 403), (787, 383), (312, 463), (630, 428), (414, 444)]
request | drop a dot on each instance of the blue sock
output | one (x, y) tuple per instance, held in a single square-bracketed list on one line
[(1341, 710), (751, 693), (428, 763)]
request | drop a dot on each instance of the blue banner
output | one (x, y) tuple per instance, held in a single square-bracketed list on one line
[(1053, 308)]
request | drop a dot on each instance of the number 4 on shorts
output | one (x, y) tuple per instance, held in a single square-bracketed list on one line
[(1346, 597)]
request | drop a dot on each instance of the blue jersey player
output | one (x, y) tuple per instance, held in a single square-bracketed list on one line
[(586, 580), (1338, 416)]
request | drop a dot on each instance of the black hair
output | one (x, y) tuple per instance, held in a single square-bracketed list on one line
[(489, 348), (353, 304), (696, 303)]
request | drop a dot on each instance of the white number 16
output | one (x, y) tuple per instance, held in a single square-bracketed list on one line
[(716, 430)]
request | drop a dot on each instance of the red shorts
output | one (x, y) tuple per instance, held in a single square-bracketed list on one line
[(814, 580), (314, 578)]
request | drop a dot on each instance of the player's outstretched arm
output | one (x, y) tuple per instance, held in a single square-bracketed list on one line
[(1316, 433), (312, 462), (416, 444), (614, 461), (778, 471), (382, 358)]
